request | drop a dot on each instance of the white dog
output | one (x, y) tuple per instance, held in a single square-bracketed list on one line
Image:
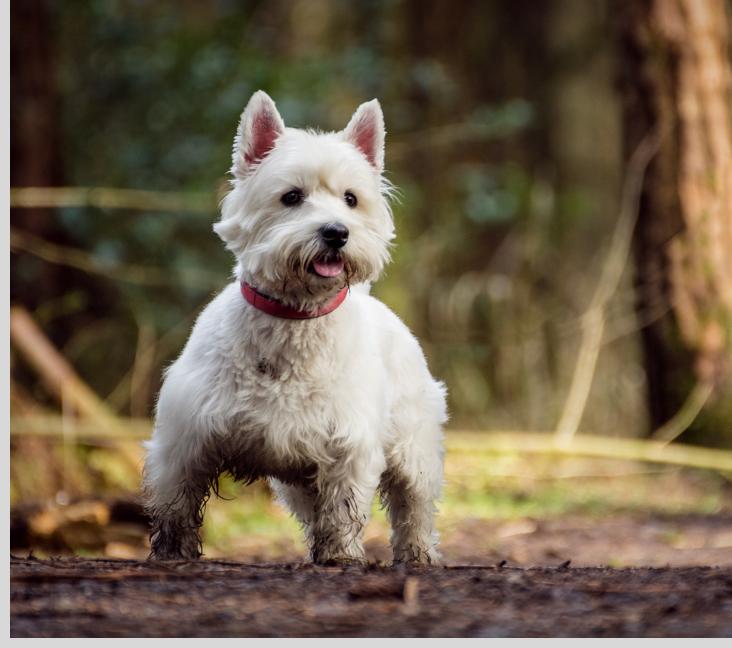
[(294, 372)]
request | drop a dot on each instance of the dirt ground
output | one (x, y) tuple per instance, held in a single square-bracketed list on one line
[(612, 575), (123, 598)]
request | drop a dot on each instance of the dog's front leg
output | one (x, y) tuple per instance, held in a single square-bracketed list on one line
[(175, 527), (175, 496)]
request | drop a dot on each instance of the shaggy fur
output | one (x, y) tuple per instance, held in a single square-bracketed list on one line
[(330, 409)]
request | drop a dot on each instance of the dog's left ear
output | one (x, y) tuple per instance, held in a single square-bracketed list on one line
[(259, 128), (366, 132)]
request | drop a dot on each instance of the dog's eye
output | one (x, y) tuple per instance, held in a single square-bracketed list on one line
[(350, 199), (292, 198)]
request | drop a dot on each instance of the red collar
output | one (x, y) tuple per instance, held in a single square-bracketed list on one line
[(278, 309)]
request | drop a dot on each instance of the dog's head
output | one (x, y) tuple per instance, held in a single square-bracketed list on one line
[(308, 212)]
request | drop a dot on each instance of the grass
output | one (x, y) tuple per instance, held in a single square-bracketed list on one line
[(488, 496), (497, 487)]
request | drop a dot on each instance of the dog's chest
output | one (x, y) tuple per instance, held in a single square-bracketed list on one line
[(290, 386), (302, 393)]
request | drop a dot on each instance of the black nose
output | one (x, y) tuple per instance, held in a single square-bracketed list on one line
[(334, 235)]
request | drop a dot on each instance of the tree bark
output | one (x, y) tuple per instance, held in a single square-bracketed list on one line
[(675, 77), (35, 146)]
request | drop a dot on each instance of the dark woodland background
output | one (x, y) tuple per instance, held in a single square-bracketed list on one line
[(512, 128)]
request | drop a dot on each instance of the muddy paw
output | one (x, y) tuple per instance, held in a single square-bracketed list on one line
[(343, 561), (417, 556)]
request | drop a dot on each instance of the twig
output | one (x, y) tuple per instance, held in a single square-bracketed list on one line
[(410, 596), (593, 326), (593, 322), (679, 422), (112, 198), (141, 368), (81, 260), (167, 343)]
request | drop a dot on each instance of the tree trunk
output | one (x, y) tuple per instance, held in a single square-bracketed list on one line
[(34, 141), (676, 79)]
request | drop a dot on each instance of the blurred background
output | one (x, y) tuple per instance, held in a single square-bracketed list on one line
[(564, 229)]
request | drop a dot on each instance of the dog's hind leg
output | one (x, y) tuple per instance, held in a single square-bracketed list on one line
[(411, 485), (343, 495), (340, 513), (332, 515), (411, 509), (299, 500), (335, 507)]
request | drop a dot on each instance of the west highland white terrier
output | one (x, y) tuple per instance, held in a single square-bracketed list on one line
[(294, 372)]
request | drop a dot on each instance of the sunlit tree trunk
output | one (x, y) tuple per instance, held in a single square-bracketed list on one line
[(675, 68)]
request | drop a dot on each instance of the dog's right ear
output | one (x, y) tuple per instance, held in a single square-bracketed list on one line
[(259, 128)]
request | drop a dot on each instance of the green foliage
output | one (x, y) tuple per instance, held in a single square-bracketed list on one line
[(496, 226), (497, 487)]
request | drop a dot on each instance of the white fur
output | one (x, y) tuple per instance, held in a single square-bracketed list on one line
[(330, 409)]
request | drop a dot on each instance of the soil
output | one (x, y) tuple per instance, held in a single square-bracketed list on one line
[(612, 576), (75, 597), (619, 540)]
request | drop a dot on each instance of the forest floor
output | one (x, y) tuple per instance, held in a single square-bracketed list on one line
[(75, 597), (542, 586), (531, 547)]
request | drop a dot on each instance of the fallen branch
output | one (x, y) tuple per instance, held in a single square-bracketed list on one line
[(456, 442), (602, 447), (81, 430), (55, 371), (112, 198), (76, 398)]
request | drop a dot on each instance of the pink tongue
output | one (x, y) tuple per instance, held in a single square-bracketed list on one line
[(328, 268)]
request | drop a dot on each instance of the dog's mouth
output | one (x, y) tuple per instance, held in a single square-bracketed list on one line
[(328, 265)]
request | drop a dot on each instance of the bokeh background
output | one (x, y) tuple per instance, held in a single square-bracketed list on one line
[(509, 140)]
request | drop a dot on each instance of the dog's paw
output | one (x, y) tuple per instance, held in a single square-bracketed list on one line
[(341, 561), (416, 556), (173, 555), (174, 546)]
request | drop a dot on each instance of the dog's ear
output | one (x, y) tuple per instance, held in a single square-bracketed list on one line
[(366, 132), (259, 128)]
